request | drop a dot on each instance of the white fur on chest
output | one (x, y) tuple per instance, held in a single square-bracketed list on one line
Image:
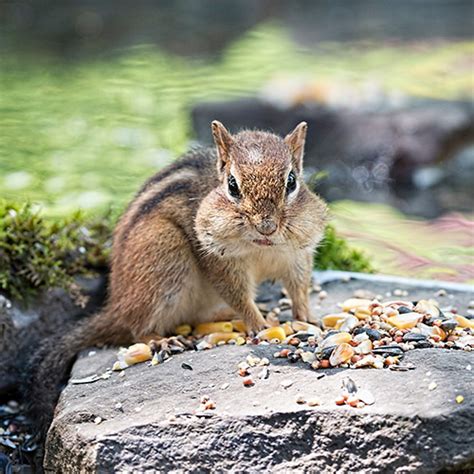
[(272, 263)]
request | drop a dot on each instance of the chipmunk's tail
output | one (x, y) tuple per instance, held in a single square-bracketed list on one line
[(49, 367)]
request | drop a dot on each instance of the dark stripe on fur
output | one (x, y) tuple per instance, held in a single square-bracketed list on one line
[(198, 159), (183, 187)]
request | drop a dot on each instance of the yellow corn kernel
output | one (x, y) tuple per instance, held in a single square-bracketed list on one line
[(464, 322), (216, 337), (240, 341), (272, 333), (362, 313), (353, 304), (331, 320), (436, 330), (238, 325), (209, 328), (405, 321), (137, 353), (183, 330)]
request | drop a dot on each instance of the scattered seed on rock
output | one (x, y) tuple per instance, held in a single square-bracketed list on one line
[(432, 386), (459, 399), (314, 402), (248, 382), (300, 400)]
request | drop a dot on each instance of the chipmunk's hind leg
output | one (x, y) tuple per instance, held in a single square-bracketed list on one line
[(155, 280)]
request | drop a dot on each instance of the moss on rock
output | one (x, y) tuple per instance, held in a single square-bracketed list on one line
[(38, 253)]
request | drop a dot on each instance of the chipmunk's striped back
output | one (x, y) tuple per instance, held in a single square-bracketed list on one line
[(190, 177)]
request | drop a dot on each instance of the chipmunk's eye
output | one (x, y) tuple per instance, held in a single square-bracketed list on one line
[(291, 182), (234, 190)]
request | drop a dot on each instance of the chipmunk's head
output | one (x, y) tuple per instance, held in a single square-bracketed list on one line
[(262, 200)]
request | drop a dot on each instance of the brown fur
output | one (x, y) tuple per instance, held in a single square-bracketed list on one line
[(186, 251)]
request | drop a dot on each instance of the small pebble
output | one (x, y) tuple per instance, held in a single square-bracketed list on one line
[(97, 420)]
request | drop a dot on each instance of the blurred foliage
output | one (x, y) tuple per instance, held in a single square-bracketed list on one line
[(439, 249), (37, 254), (86, 134), (334, 253)]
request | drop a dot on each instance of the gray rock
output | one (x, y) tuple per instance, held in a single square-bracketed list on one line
[(146, 420), (24, 326)]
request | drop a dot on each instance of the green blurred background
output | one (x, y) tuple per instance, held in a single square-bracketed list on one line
[(96, 96)]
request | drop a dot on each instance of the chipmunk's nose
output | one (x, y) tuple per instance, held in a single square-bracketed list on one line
[(266, 227)]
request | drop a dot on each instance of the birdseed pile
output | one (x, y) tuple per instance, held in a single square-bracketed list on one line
[(365, 333)]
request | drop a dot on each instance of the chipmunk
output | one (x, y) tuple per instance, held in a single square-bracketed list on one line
[(195, 242)]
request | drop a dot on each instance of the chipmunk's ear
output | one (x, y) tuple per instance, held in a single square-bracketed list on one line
[(295, 140), (223, 140)]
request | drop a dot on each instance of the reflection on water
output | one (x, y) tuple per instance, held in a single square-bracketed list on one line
[(87, 133)]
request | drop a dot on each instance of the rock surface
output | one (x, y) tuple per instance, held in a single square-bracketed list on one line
[(145, 420)]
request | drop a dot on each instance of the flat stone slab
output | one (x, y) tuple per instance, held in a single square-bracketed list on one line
[(145, 421)]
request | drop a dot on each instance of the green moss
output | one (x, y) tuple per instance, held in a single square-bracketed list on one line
[(37, 253), (335, 253)]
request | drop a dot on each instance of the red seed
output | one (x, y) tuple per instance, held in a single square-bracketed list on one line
[(243, 372), (352, 401), (248, 382), (324, 364)]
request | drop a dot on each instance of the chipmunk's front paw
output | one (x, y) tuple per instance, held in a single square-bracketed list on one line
[(255, 324)]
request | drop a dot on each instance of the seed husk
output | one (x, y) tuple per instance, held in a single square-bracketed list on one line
[(349, 324), (306, 327), (414, 337), (341, 354), (393, 350), (449, 325), (335, 339), (429, 307)]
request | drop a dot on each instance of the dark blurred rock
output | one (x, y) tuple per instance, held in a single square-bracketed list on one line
[(368, 155), (24, 326)]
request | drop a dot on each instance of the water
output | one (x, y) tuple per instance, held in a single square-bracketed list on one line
[(87, 114)]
